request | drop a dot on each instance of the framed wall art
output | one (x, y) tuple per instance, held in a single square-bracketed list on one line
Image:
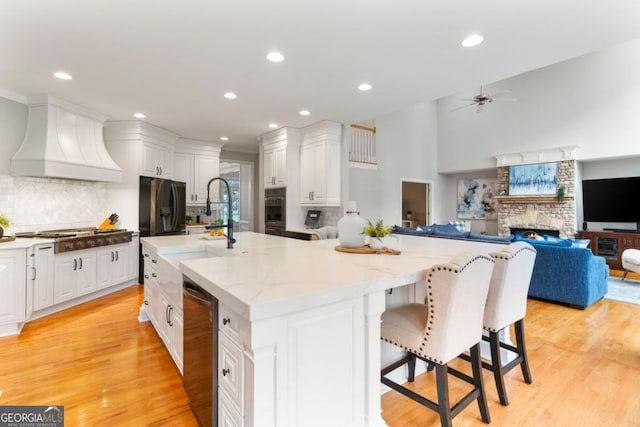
[(477, 198), (537, 179)]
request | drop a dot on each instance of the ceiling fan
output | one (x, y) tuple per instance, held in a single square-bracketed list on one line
[(484, 98)]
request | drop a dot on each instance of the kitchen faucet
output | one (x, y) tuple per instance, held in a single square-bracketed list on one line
[(230, 239)]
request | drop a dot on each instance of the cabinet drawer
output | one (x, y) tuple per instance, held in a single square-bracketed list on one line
[(228, 415), (628, 242), (231, 371), (229, 322)]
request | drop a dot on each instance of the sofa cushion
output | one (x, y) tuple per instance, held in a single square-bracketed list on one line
[(449, 231), (547, 241), (491, 238)]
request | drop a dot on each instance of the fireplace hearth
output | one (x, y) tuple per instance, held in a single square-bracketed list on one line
[(526, 232)]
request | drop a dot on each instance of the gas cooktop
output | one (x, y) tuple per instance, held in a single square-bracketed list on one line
[(73, 239)]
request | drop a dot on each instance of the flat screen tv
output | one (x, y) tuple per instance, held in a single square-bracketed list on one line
[(611, 200)]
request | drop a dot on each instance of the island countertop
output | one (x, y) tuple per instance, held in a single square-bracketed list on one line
[(265, 276)]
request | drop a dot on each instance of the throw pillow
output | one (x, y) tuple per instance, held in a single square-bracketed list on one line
[(459, 225)]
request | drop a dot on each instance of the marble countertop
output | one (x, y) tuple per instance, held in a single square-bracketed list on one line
[(265, 276), (24, 243)]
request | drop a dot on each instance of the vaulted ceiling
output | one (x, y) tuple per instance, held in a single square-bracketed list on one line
[(174, 61)]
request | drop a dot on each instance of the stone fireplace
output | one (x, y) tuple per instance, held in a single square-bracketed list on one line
[(539, 212)]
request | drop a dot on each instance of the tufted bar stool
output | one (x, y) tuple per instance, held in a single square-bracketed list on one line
[(449, 324), (506, 305)]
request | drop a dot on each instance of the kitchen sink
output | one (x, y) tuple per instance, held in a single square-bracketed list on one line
[(203, 252)]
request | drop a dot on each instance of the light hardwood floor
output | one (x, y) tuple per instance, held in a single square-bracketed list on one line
[(108, 369)]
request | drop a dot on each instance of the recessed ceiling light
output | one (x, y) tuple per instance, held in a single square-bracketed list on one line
[(230, 95), (275, 56), (365, 87), (273, 125), (472, 40), (139, 115), (62, 75), (304, 112), (224, 138)]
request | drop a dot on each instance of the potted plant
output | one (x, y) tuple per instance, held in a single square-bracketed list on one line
[(376, 232), (4, 222)]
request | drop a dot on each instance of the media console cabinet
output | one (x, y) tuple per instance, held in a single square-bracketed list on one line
[(611, 244)]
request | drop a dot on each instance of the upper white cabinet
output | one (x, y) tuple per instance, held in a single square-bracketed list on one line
[(140, 149), (12, 290), (275, 165), (157, 161), (320, 164), (280, 152), (195, 163)]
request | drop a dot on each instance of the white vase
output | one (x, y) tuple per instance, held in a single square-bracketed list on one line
[(350, 228), (376, 243)]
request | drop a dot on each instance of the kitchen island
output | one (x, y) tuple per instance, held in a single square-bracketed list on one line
[(299, 322)]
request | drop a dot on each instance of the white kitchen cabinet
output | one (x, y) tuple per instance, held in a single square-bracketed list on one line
[(156, 161), (231, 367), (42, 276), (320, 164), (112, 265), (134, 257), (195, 164), (275, 165), (75, 274), (163, 303), (13, 273)]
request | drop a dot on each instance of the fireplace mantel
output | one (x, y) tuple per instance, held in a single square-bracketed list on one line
[(532, 199)]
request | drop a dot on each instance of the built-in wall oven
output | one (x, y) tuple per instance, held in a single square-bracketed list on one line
[(275, 208)]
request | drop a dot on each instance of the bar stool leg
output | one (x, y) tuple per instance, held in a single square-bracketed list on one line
[(496, 362), (444, 405), (476, 366), (522, 351)]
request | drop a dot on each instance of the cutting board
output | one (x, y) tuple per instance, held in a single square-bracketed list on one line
[(7, 239), (366, 249)]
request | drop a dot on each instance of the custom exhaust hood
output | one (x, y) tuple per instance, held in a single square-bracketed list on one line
[(64, 140)]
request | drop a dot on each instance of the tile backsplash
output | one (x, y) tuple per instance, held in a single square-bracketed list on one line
[(34, 204)]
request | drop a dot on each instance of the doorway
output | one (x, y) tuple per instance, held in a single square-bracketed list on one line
[(240, 178), (416, 203)]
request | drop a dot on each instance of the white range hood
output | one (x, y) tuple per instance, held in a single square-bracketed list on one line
[(64, 140)]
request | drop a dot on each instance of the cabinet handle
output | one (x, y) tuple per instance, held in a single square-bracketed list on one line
[(75, 264), (80, 264), (166, 313), (45, 248), (33, 277), (146, 302), (226, 371), (196, 197), (117, 256), (154, 275), (146, 276), (146, 255), (170, 315), (155, 261), (226, 321), (160, 170), (112, 256)]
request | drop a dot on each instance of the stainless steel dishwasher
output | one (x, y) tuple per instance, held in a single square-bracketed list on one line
[(201, 352)]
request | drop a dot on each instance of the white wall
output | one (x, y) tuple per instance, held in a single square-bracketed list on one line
[(592, 101), (406, 148)]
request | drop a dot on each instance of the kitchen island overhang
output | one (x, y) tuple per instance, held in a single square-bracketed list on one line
[(310, 321)]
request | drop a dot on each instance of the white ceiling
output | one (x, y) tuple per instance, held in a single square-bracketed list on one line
[(174, 60)]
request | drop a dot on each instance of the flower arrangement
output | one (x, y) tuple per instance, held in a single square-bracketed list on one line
[(4, 221)]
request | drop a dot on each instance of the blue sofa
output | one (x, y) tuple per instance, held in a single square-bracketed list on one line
[(565, 271)]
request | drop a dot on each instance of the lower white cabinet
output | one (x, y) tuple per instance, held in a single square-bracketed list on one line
[(75, 274), (134, 256), (12, 289), (113, 265), (163, 303), (42, 276)]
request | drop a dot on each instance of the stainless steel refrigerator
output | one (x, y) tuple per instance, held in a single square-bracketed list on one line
[(161, 210), (161, 207)]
